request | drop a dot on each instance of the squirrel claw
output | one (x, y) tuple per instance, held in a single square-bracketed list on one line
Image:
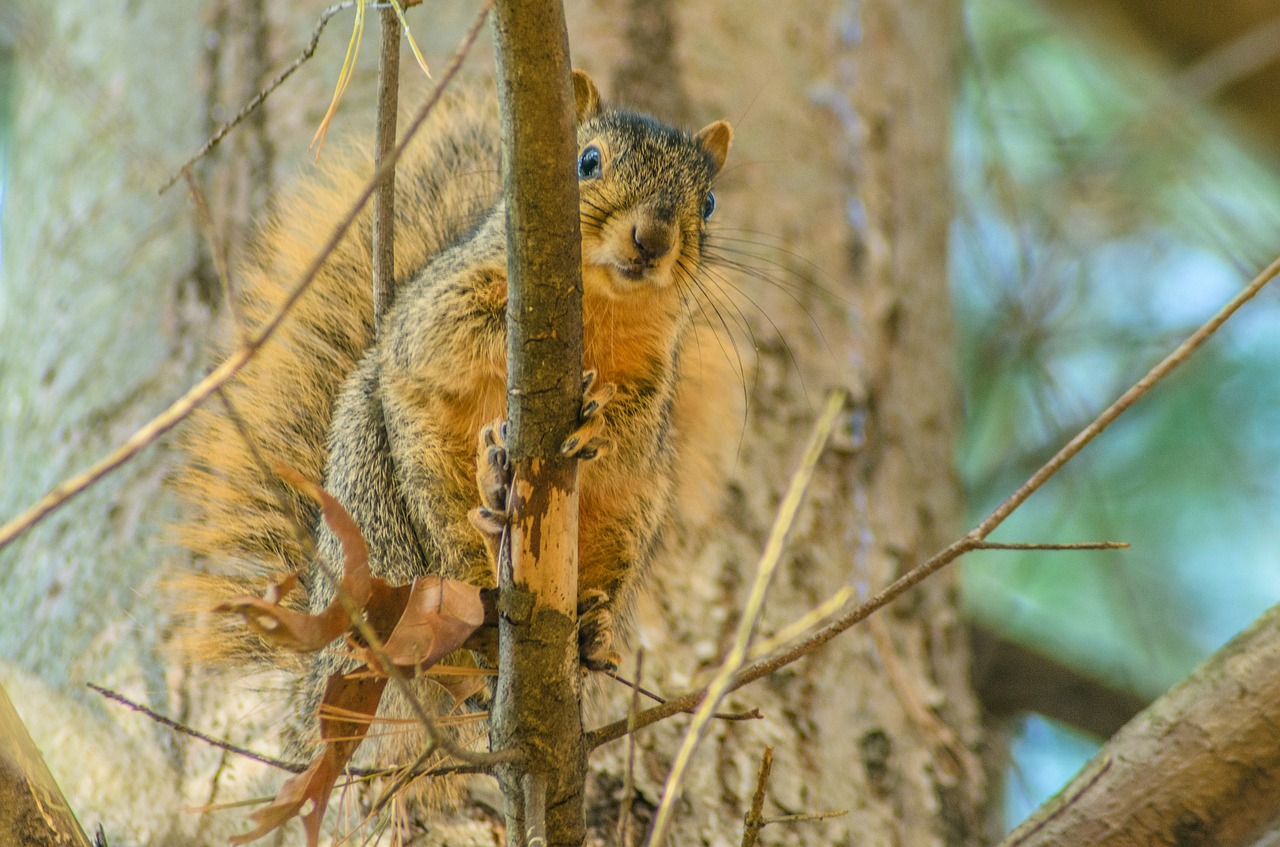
[(595, 632), (493, 481), (588, 440)]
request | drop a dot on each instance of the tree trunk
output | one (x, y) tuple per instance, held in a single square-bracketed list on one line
[(838, 178), (840, 159)]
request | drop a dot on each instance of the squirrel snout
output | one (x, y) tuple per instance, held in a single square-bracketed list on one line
[(652, 239)]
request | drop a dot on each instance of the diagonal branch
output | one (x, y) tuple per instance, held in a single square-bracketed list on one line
[(971, 541)]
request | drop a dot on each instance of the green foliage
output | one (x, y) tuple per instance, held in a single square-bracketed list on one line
[(1102, 218)]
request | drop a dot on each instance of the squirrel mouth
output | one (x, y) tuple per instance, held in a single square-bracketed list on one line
[(634, 271)]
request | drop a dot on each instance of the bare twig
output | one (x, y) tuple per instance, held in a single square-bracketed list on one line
[(261, 96), (1234, 60), (198, 393), (806, 816), (749, 715), (216, 248), (968, 542), (384, 261), (629, 778), (755, 817), (1081, 545), (402, 779), (774, 547), (953, 761), (294, 767)]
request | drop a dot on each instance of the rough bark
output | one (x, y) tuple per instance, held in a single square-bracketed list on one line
[(860, 300), (538, 699), (33, 810), (1200, 766)]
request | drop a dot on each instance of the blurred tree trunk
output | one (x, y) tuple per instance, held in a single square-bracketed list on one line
[(838, 176)]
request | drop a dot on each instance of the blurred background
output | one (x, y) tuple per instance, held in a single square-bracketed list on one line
[(1116, 178), (1115, 166)]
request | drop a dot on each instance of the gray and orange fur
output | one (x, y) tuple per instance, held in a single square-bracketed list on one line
[(391, 427)]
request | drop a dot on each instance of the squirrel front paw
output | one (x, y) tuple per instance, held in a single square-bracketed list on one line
[(588, 441), (493, 480), (595, 632)]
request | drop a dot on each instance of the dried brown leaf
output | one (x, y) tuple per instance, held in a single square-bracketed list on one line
[(355, 571), (300, 631), (307, 794), (439, 616), (286, 628)]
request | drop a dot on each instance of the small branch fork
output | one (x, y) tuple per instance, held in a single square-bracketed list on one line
[(261, 96), (755, 819), (298, 767)]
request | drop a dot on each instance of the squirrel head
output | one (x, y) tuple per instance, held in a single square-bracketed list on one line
[(646, 196)]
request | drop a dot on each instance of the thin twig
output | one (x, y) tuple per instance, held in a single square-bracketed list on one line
[(629, 778), (806, 816), (216, 248), (1081, 545), (198, 393), (291, 767), (384, 261), (402, 779), (755, 817), (754, 608), (767, 665), (261, 96), (749, 715)]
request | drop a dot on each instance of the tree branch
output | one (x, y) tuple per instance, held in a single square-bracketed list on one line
[(1201, 765), (537, 704)]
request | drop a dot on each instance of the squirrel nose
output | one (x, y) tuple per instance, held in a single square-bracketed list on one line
[(652, 239)]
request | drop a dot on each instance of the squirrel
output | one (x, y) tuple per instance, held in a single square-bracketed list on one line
[(389, 421)]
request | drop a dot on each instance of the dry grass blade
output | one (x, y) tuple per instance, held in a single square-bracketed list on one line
[(774, 547), (344, 79)]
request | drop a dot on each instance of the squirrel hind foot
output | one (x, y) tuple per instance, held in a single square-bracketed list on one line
[(595, 632)]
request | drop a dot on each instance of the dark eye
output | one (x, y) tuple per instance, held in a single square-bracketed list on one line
[(589, 163), (709, 205)]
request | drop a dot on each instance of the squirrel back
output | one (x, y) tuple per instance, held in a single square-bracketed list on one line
[(244, 526)]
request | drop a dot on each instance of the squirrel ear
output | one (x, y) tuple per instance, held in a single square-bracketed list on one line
[(715, 139), (586, 97)]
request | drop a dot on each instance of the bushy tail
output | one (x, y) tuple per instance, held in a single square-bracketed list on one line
[(243, 525)]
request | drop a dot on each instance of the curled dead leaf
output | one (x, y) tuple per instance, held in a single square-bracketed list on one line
[(438, 618), (346, 711)]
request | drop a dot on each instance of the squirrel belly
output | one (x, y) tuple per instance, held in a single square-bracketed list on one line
[(390, 425)]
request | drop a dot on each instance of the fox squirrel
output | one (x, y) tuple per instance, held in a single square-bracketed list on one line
[(391, 425)]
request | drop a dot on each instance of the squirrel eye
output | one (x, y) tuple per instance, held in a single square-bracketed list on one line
[(589, 163), (709, 205)]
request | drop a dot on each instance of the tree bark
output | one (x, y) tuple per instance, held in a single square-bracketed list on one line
[(840, 159), (1200, 766), (538, 700)]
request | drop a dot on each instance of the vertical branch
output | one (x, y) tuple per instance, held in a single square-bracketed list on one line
[(384, 143), (537, 706)]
